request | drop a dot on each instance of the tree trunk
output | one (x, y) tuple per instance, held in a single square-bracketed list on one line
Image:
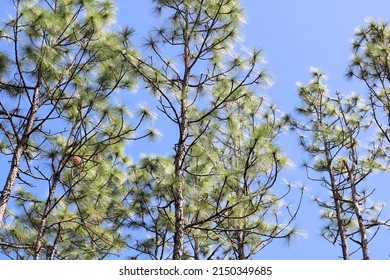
[(338, 209), (178, 249), (358, 212), (340, 224), (20, 148), (45, 214), (240, 235), (362, 227), (179, 192), (352, 179), (241, 244)]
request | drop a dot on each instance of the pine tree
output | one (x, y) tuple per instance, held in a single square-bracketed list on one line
[(370, 64), (63, 132), (205, 76), (238, 178), (333, 131)]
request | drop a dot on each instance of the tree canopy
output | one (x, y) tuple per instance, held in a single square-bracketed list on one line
[(70, 81)]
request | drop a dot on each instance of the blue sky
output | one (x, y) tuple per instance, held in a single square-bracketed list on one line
[(295, 36)]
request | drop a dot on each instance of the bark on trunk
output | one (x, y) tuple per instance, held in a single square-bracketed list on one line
[(338, 209), (362, 227), (45, 214), (240, 235), (20, 148), (178, 249), (357, 209), (179, 192), (354, 195), (241, 244)]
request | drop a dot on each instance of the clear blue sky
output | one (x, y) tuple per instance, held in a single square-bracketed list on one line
[(295, 35)]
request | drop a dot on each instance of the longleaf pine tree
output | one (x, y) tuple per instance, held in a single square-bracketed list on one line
[(334, 132), (193, 68), (62, 131), (369, 63), (238, 163)]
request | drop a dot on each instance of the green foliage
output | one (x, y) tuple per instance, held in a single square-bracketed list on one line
[(150, 203), (66, 67), (3, 63), (335, 133), (369, 63), (230, 174), (225, 161)]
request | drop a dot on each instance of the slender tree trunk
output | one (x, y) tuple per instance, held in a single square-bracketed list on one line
[(240, 244), (240, 235), (20, 148), (339, 214), (178, 249), (354, 194), (340, 224), (362, 227), (356, 207), (45, 214)]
